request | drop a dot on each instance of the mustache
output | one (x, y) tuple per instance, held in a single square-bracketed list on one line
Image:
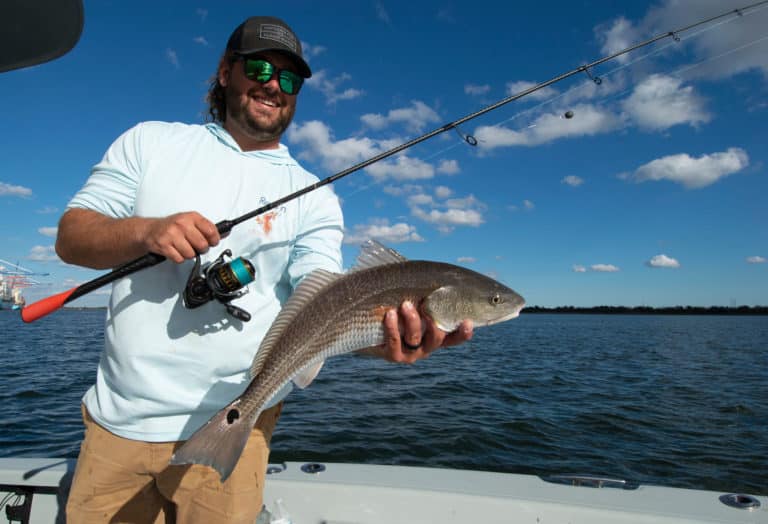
[(260, 92)]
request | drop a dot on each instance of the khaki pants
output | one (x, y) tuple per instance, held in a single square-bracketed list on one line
[(118, 480)]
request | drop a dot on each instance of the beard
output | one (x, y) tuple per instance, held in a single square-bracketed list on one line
[(260, 127)]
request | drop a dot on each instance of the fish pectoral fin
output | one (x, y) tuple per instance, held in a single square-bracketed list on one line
[(219, 442), (305, 377)]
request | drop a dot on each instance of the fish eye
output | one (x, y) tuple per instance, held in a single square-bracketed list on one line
[(496, 299)]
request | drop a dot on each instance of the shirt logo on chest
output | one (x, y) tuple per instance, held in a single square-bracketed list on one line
[(266, 220)]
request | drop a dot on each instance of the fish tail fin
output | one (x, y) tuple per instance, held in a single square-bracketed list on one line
[(219, 443)]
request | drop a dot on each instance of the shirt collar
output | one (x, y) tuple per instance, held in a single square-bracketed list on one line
[(280, 154)]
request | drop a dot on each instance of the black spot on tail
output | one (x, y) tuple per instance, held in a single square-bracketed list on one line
[(232, 416)]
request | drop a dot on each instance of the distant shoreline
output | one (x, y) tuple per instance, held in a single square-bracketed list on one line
[(616, 310), (647, 310)]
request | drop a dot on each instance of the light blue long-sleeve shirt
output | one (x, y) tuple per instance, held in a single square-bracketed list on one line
[(165, 369)]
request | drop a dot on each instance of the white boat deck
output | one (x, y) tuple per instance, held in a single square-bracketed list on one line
[(367, 494)]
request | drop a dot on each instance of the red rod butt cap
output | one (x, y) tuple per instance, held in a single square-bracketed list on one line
[(45, 306)]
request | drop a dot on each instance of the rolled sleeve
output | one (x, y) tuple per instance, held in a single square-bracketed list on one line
[(112, 186)]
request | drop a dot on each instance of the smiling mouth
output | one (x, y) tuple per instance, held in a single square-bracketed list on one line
[(263, 101)]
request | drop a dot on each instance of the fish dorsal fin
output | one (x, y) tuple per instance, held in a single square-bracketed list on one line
[(374, 254), (307, 289)]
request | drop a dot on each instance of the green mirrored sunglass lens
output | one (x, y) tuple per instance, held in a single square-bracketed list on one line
[(261, 70), (287, 85), (290, 82)]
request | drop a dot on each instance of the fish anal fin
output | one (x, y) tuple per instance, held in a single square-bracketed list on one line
[(219, 443), (305, 377)]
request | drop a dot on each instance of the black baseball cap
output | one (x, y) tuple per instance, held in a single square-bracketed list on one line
[(267, 33)]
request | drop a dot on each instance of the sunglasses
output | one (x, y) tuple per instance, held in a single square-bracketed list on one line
[(263, 71)]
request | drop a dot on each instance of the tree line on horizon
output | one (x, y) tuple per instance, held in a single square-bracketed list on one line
[(645, 310)]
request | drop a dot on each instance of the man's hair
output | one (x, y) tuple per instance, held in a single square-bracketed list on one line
[(217, 102), (216, 98)]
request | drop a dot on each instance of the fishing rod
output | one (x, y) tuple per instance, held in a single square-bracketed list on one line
[(222, 280)]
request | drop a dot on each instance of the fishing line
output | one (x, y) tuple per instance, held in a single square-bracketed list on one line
[(721, 55), (48, 305), (738, 14), (677, 73)]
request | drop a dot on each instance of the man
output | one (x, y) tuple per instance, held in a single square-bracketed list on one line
[(167, 369)]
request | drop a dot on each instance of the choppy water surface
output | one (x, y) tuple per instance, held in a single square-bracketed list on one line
[(672, 400)]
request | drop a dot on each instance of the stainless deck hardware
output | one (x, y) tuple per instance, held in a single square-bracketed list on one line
[(312, 468), (590, 481), (737, 500)]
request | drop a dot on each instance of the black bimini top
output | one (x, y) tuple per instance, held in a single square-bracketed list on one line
[(34, 32)]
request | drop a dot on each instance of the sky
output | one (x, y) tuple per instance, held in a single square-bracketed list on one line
[(652, 193)]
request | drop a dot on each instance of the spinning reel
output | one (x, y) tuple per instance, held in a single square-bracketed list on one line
[(220, 280)]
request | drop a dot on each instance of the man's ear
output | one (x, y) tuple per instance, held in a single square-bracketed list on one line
[(224, 72)]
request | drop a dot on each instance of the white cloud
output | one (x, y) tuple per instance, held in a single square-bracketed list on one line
[(544, 93), (448, 219), (48, 231), (597, 268), (462, 203), (382, 14), (420, 199), (8, 189), (329, 87), (443, 192), (604, 268), (201, 40), (405, 189), (415, 118), (401, 168), (466, 260), (43, 254), (311, 51), (319, 145), (527, 206), (693, 173), (620, 35), (756, 260), (572, 180), (587, 89), (380, 229), (447, 213), (588, 120), (172, 57), (316, 137), (47, 210), (476, 90), (739, 38), (660, 102), (448, 167), (663, 261)]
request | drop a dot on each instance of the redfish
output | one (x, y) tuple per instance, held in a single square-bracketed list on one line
[(331, 314)]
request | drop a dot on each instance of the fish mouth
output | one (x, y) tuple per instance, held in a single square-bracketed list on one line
[(512, 314)]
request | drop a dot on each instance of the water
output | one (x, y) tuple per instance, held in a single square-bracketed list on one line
[(673, 400)]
